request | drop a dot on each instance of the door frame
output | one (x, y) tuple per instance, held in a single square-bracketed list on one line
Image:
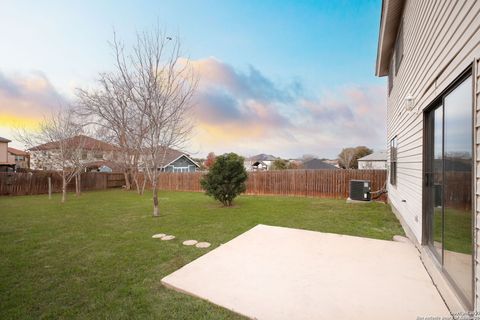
[(426, 195), (428, 141)]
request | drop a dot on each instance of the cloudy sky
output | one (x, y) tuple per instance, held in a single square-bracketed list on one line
[(280, 77)]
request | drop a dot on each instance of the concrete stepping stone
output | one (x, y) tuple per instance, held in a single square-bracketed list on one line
[(158, 235), (202, 245), (190, 242), (401, 239), (166, 238)]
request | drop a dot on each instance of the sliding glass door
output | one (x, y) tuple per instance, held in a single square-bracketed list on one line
[(448, 181)]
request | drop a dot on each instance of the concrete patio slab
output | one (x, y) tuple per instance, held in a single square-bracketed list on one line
[(282, 273)]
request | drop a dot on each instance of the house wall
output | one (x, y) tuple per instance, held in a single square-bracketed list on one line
[(49, 159), (441, 40), (3, 152), (20, 161), (182, 162), (367, 165)]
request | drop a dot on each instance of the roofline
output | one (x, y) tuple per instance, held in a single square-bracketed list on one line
[(391, 15), (182, 155), (45, 146), (17, 151)]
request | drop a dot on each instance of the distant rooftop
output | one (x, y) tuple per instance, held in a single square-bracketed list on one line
[(17, 152), (376, 156), (263, 157), (5, 140), (86, 142), (317, 164)]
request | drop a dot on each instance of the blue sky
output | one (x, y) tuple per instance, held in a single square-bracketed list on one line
[(326, 50)]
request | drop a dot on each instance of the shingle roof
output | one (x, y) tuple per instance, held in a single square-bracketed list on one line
[(4, 140), (172, 155), (376, 156), (87, 142), (317, 164), (17, 152), (263, 157)]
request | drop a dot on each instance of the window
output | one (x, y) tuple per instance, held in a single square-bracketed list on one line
[(399, 48), (393, 161)]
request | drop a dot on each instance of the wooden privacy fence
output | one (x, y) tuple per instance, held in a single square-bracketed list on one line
[(15, 184), (314, 183)]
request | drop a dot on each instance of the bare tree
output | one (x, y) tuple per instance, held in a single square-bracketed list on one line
[(145, 102), (164, 85), (110, 107), (59, 143), (345, 158), (348, 158)]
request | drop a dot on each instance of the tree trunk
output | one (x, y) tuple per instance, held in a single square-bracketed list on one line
[(64, 188), (137, 186), (127, 180), (49, 187), (155, 201), (78, 185), (143, 185)]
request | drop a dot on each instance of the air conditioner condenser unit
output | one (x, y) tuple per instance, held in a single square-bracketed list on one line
[(360, 190)]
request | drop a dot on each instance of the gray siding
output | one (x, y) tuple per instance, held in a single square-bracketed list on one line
[(441, 39), (182, 162)]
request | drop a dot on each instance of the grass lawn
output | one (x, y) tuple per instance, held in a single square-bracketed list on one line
[(94, 257), (458, 229)]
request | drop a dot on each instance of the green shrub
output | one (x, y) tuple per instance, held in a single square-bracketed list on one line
[(225, 179)]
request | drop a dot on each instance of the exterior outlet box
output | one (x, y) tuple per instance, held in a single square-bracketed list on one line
[(360, 190)]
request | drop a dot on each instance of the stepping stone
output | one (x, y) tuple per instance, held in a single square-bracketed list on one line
[(169, 237), (202, 245), (158, 235), (401, 239), (190, 242)]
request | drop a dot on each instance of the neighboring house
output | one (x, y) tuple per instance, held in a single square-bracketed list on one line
[(376, 160), (7, 164), (177, 161), (333, 162), (251, 165), (21, 158), (92, 151), (429, 50), (317, 164), (260, 162), (97, 155)]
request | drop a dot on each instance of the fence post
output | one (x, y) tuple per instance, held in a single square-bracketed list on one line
[(50, 188)]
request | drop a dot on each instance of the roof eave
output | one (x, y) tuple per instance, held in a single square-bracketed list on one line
[(389, 22), (180, 156)]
